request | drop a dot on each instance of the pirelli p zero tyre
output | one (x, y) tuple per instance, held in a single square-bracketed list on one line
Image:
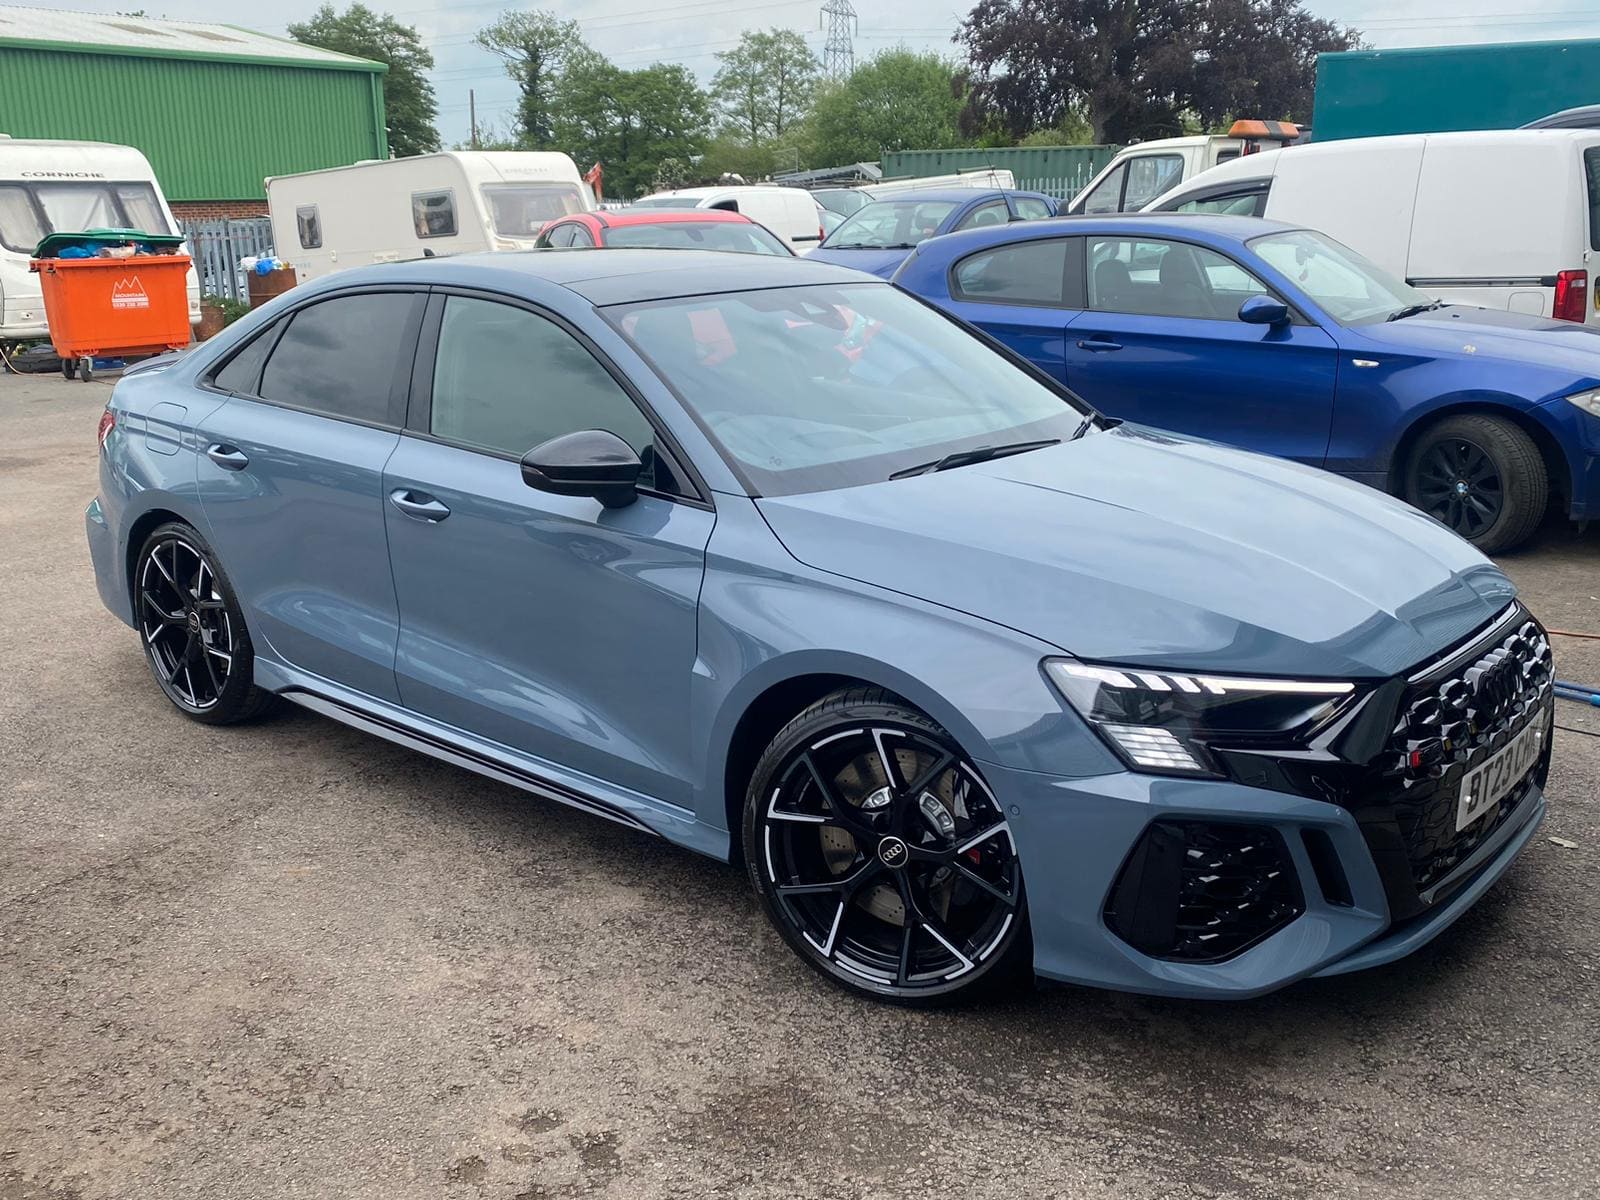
[(883, 858), (192, 629), (1483, 477)]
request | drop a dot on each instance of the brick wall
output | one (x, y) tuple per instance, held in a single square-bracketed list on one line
[(216, 210)]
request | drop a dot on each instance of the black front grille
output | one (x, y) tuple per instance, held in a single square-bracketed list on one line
[(1197, 891)]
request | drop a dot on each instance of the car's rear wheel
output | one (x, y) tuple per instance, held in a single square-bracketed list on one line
[(1483, 477), (193, 632), (882, 857)]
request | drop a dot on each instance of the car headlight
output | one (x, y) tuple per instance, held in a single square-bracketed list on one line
[(1588, 401), (1164, 721)]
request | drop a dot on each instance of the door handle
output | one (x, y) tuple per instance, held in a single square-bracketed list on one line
[(1095, 344), (418, 505), (229, 458)]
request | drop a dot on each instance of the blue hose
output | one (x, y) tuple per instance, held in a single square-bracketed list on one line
[(1580, 697)]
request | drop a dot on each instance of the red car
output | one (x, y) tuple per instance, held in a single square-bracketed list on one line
[(668, 228)]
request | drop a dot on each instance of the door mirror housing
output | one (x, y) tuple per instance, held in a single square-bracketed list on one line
[(1264, 310), (591, 462)]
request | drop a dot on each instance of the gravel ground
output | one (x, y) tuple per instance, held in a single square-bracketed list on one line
[(293, 960)]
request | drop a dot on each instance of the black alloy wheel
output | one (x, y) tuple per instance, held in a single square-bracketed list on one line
[(1482, 477), (1459, 484), (882, 856), (193, 634)]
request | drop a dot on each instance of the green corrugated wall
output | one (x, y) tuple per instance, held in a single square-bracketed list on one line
[(1059, 171), (212, 129)]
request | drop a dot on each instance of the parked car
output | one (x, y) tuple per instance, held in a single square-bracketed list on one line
[(663, 228), (424, 206), (789, 212), (776, 562), (880, 235), (1281, 340), (66, 187), (1506, 219), (1141, 172)]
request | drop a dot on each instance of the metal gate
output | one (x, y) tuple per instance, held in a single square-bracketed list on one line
[(217, 247)]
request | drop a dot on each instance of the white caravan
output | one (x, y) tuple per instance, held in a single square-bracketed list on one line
[(1504, 219), (67, 187), (432, 205)]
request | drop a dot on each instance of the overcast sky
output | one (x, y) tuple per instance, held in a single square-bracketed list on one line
[(636, 33)]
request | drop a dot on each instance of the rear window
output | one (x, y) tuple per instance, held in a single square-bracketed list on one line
[(738, 237), (1591, 168)]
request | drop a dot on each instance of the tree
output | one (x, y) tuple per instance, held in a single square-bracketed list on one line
[(536, 47), (629, 120), (1135, 68), (897, 100), (764, 86), (409, 106)]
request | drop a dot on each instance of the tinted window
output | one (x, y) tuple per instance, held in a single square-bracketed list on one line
[(309, 225), (1591, 165), (1107, 194), (993, 213), (1239, 204), (506, 379), (1030, 209), (243, 371), (1148, 176), (434, 214), (1167, 279), (339, 358), (1027, 273)]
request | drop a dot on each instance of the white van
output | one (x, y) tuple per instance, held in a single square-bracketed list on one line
[(1497, 218), (432, 205), (789, 212), (67, 187), (1143, 171), (993, 178)]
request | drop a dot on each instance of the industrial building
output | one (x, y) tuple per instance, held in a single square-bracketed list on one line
[(216, 109)]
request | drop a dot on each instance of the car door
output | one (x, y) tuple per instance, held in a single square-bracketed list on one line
[(291, 475), (549, 624), (1023, 294), (1161, 343)]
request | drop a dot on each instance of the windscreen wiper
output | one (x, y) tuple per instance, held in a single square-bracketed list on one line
[(978, 454), (1411, 310)]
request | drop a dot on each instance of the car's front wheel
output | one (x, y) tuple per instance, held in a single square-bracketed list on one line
[(1483, 477), (881, 855), (192, 629)]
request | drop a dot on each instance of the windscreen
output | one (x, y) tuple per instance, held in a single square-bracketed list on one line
[(1348, 287), (29, 211), (812, 388), (740, 237), (891, 224), (520, 210)]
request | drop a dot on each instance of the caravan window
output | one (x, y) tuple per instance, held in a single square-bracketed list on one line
[(140, 208), (434, 214), (20, 227), (30, 210), (522, 209), (309, 225)]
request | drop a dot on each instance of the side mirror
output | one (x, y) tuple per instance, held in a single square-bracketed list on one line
[(590, 462), (1264, 310)]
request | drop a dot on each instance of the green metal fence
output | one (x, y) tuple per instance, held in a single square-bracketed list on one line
[(1059, 171)]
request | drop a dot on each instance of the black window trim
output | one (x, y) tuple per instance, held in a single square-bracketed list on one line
[(455, 213), (1216, 191), (398, 386), (419, 408), (1071, 273), (1296, 316)]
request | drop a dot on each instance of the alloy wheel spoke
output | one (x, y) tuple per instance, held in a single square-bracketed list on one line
[(843, 812), (847, 885), (167, 618), (972, 877), (211, 671), (180, 660), (925, 780), (902, 974)]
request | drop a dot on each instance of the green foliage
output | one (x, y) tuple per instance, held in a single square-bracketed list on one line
[(1073, 130), (409, 105), (232, 309), (628, 120), (897, 100), (764, 86), (537, 47), (727, 155)]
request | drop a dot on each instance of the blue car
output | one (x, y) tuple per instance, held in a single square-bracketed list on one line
[(878, 237), (771, 560), (1281, 340)]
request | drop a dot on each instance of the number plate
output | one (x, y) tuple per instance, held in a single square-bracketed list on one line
[(1487, 783)]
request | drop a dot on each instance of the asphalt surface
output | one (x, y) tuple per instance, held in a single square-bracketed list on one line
[(289, 959)]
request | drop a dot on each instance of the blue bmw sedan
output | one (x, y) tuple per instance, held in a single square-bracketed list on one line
[(773, 561), (1281, 340), (877, 237)]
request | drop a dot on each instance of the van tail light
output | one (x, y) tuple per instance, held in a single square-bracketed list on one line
[(1572, 296), (108, 422)]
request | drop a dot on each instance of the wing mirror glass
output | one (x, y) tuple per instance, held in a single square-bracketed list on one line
[(590, 462), (1264, 310)]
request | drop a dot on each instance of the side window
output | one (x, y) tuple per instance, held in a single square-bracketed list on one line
[(507, 379), (993, 213), (1167, 279), (1029, 209), (1591, 167), (1238, 204), (309, 225), (559, 237), (340, 358), (242, 372), (1025, 273), (434, 214), (581, 238), (1148, 176), (1107, 195)]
